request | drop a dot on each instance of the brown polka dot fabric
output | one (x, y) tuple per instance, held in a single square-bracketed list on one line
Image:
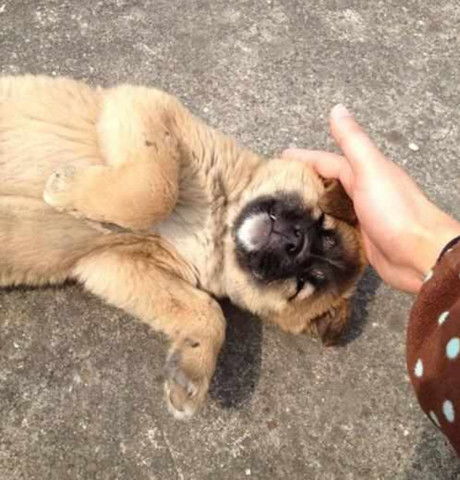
[(433, 345)]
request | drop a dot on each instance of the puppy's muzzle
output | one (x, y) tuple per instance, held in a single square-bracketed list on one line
[(289, 237)]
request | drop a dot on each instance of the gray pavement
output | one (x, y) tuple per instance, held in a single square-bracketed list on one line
[(80, 382)]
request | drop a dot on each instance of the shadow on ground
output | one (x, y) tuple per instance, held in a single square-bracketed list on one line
[(238, 367), (432, 455), (365, 292)]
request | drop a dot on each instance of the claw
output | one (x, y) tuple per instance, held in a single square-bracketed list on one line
[(184, 395)]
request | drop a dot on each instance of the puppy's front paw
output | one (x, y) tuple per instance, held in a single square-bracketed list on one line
[(59, 188), (185, 387)]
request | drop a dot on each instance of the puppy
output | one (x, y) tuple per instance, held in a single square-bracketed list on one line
[(125, 191)]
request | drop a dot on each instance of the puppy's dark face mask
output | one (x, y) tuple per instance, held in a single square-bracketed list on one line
[(278, 238)]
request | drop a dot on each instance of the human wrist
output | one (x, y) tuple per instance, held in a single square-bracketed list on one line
[(433, 237)]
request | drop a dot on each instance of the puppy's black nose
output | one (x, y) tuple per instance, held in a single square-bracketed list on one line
[(293, 241), (290, 236)]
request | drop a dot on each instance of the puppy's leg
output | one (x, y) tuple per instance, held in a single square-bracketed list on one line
[(138, 185), (130, 279)]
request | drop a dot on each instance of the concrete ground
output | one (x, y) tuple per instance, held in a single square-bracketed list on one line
[(80, 382)]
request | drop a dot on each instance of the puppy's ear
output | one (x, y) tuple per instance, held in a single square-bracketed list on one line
[(336, 203), (330, 326)]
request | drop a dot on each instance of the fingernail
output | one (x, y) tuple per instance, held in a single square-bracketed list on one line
[(340, 111)]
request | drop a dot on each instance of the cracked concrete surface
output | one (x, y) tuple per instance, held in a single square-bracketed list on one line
[(80, 382)]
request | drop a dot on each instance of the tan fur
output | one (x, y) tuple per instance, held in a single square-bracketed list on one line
[(127, 192)]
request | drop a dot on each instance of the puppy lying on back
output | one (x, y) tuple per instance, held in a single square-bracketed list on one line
[(125, 191)]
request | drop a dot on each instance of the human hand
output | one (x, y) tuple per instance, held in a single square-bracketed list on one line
[(403, 232)]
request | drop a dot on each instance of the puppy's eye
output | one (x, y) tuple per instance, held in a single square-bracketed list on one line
[(317, 274), (329, 241), (271, 212), (317, 277)]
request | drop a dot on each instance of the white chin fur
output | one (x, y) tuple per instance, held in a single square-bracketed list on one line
[(251, 230), (306, 292)]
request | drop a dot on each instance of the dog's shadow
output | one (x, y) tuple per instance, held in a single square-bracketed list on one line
[(239, 363), (238, 366), (366, 290)]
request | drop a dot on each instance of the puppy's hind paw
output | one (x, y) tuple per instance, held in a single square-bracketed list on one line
[(58, 191), (185, 392)]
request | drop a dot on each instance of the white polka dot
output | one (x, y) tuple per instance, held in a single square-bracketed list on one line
[(428, 276), (453, 348), (434, 417), (443, 317), (418, 370), (448, 410)]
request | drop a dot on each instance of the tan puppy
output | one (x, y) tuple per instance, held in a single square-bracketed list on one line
[(125, 191)]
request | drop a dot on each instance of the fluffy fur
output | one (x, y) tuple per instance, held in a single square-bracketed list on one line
[(125, 191)]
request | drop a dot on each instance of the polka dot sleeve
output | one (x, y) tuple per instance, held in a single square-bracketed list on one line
[(433, 345)]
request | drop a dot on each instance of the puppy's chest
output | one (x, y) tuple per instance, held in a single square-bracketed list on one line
[(197, 232)]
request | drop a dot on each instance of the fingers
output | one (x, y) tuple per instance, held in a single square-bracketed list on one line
[(361, 152), (326, 164)]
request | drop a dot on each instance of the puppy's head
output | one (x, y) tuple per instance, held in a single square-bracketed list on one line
[(277, 238), (296, 241)]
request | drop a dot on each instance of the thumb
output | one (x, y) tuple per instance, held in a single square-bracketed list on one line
[(363, 156)]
